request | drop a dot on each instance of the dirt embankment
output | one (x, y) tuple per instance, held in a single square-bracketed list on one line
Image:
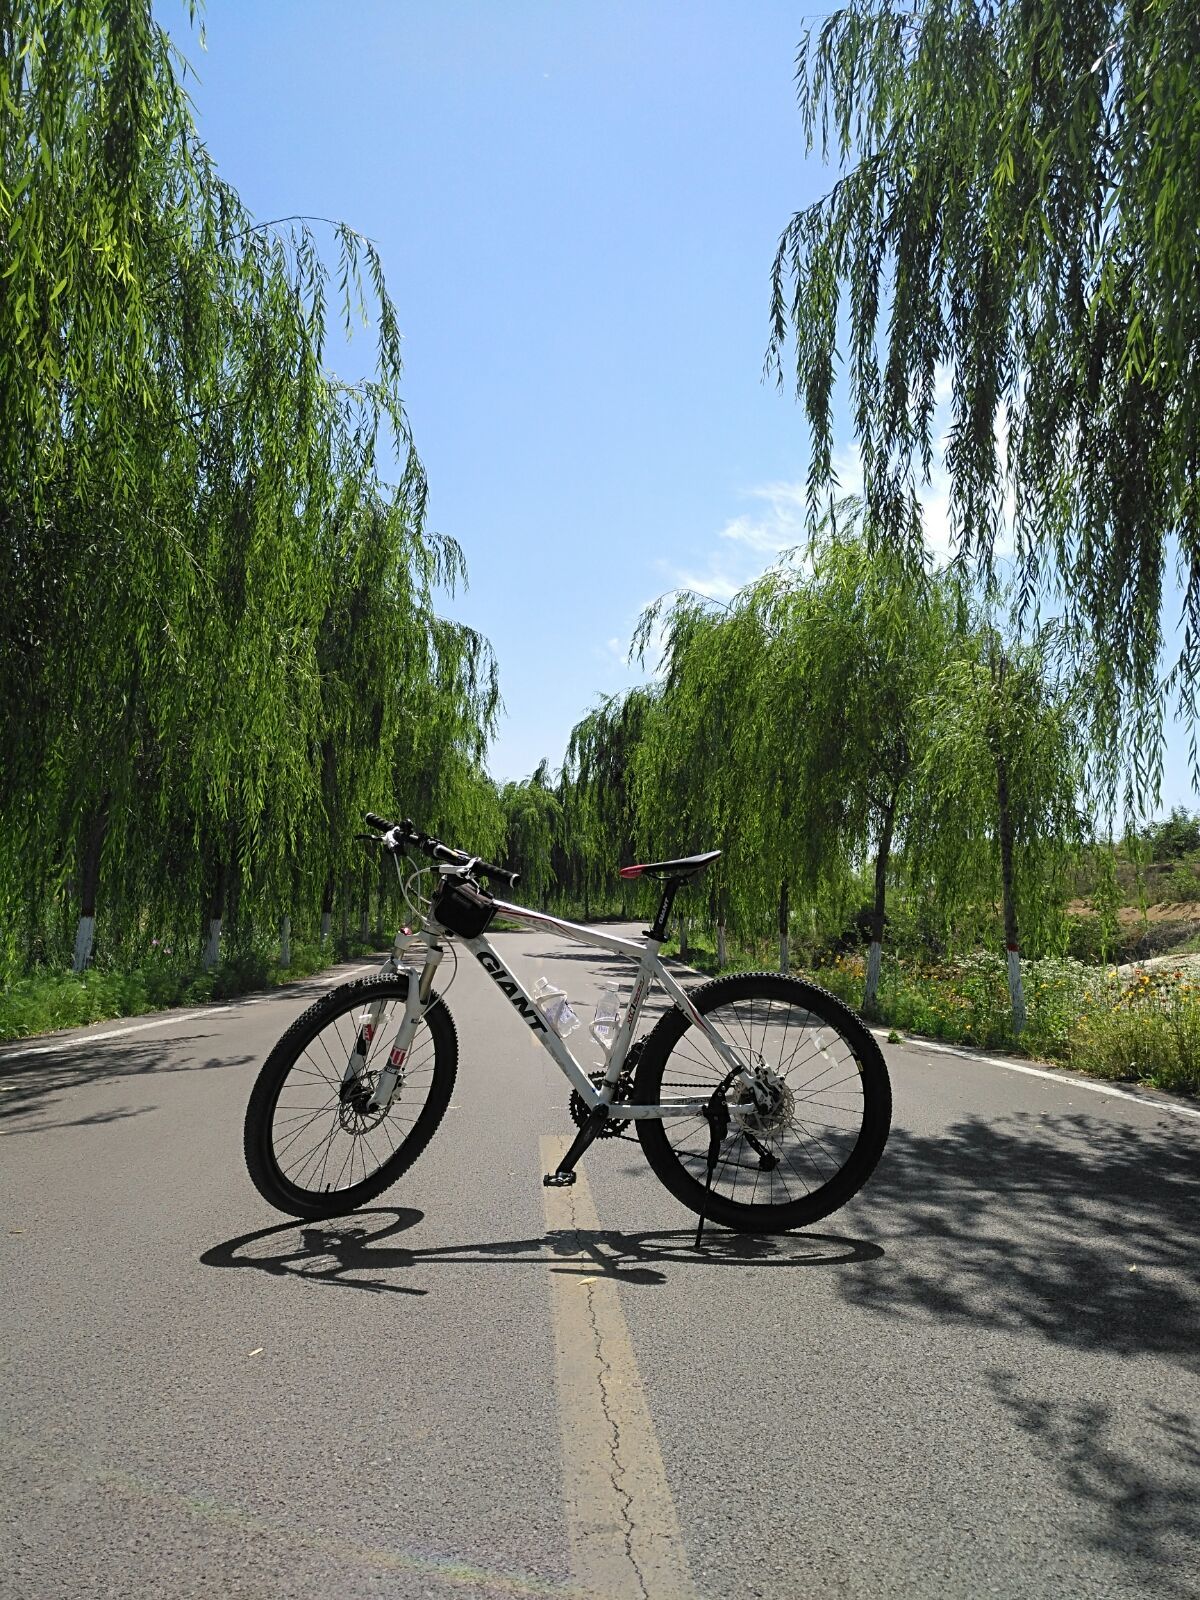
[(1132, 916)]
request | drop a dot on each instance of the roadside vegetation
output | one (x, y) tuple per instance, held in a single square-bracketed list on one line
[(46, 1000)]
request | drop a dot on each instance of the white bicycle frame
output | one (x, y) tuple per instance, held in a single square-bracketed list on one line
[(649, 969)]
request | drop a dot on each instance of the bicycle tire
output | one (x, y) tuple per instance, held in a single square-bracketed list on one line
[(677, 1150), (432, 1067)]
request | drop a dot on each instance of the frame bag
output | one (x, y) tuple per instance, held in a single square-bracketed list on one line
[(463, 907)]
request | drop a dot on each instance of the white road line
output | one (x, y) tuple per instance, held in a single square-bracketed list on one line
[(115, 1033), (1064, 1078)]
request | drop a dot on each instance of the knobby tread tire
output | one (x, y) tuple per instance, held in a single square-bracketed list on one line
[(877, 1104), (259, 1151)]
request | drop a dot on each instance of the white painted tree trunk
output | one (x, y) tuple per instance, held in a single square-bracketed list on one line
[(721, 944), (212, 950), (83, 943), (1016, 990), (874, 962), (285, 942), (326, 923)]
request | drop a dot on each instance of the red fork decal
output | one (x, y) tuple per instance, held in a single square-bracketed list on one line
[(397, 1056)]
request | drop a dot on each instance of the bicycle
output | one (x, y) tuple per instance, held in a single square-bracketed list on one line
[(783, 1088)]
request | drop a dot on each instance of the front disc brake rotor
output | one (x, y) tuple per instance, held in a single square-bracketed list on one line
[(354, 1102), (766, 1107)]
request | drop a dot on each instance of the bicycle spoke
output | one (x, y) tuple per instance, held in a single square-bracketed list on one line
[(352, 1148)]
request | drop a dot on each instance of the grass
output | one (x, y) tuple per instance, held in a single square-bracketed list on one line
[(50, 1000), (1080, 1016)]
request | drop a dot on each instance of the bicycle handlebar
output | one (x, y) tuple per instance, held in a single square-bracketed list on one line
[(406, 836)]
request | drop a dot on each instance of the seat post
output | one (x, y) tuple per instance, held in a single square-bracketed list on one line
[(670, 890)]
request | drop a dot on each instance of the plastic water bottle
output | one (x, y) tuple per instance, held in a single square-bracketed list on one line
[(555, 1007), (608, 1014)]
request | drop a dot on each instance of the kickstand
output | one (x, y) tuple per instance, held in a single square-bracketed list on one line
[(716, 1114)]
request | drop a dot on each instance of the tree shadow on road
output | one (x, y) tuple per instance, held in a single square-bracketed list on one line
[(360, 1253), (35, 1083), (97, 1119), (1133, 1468), (1078, 1230)]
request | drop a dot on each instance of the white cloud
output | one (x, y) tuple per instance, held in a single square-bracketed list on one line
[(776, 520), (778, 527)]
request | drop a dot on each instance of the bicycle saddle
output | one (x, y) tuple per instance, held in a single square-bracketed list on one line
[(684, 867)]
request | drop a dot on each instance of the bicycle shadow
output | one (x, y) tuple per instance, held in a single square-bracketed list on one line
[(341, 1251)]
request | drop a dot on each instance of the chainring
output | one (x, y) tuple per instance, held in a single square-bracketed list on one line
[(612, 1128)]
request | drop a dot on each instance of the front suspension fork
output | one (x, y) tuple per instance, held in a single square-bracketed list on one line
[(420, 984)]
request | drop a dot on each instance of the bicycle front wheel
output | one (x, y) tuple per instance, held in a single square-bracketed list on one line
[(313, 1146), (807, 1143)]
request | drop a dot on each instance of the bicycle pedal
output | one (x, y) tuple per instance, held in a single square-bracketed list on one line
[(558, 1180)]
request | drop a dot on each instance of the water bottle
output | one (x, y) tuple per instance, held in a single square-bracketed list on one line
[(555, 1007), (608, 1014)]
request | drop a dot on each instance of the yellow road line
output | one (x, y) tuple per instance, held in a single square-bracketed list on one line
[(624, 1533)]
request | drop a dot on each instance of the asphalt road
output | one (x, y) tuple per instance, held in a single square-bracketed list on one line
[(982, 1377)]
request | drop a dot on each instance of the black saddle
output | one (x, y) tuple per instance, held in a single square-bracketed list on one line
[(683, 867)]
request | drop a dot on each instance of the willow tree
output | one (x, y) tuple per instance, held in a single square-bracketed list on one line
[(701, 778), (186, 497), (1002, 783), (598, 789), (857, 641), (1016, 216), (532, 824), (408, 699)]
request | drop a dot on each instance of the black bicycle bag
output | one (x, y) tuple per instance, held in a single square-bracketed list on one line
[(463, 907)]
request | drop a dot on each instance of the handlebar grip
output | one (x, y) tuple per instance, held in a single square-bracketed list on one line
[(502, 874)]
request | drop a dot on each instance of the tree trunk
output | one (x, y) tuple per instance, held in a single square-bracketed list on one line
[(364, 914), (285, 942), (1016, 992), (784, 948), (216, 902), (385, 866), (875, 953), (326, 910), (89, 884), (684, 950)]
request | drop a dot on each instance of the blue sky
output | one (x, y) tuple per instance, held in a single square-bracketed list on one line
[(577, 207)]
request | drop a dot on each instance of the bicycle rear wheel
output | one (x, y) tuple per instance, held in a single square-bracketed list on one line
[(818, 1141), (313, 1147)]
